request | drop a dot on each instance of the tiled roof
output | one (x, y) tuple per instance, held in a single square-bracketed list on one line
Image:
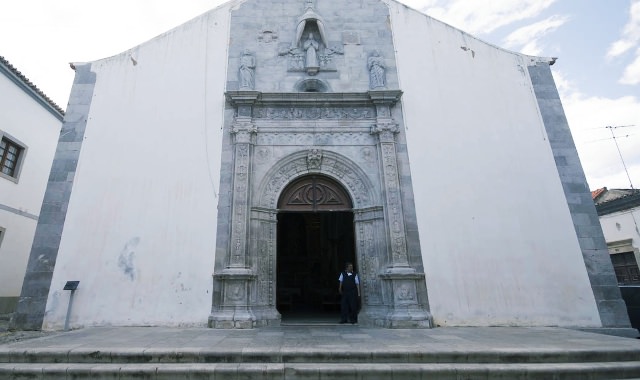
[(596, 193), (608, 201), (30, 85)]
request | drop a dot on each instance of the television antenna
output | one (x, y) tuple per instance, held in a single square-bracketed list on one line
[(611, 128)]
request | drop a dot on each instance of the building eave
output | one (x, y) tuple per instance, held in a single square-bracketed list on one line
[(30, 89)]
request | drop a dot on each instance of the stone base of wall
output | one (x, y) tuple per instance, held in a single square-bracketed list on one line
[(8, 304)]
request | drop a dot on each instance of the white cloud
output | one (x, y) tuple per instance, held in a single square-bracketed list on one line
[(630, 33), (629, 40), (480, 17), (588, 117), (528, 36), (631, 73)]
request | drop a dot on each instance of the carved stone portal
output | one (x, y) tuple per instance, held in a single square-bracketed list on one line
[(321, 192)]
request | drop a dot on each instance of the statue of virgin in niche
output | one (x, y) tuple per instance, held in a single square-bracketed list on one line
[(311, 47)]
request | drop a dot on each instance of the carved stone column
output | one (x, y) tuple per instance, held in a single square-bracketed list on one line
[(235, 309), (400, 277)]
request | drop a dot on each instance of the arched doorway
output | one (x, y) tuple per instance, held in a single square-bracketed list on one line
[(315, 239)]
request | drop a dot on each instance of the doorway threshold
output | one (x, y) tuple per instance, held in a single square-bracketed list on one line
[(310, 319)]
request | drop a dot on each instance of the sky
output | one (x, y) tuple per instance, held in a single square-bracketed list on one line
[(597, 43)]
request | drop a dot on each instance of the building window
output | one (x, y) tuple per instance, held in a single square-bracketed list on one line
[(626, 268), (11, 157)]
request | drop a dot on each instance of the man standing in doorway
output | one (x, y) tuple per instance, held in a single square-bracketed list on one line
[(349, 289)]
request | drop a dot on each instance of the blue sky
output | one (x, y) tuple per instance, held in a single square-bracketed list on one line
[(597, 43)]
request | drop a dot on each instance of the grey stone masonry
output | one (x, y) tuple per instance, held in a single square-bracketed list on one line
[(612, 309), (30, 310), (325, 82)]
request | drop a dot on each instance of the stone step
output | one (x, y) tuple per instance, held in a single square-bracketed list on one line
[(307, 355), (396, 371)]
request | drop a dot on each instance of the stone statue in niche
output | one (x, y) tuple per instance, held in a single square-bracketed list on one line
[(247, 71), (377, 75), (310, 51), (311, 47)]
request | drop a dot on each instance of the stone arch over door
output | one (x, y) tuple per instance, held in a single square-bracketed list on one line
[(336, 166), (368, 224)]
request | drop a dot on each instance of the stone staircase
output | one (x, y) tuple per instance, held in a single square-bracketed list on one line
[(256, 359)]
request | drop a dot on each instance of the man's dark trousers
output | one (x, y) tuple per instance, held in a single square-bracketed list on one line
[(349, 303)]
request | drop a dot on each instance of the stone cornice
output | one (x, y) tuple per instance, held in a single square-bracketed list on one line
[(313, 98)]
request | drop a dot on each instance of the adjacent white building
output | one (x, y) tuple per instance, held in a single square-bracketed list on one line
[(223, 172), (29, 128), (619, 212)]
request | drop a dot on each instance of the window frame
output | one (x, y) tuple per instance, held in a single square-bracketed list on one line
[(21, 156)]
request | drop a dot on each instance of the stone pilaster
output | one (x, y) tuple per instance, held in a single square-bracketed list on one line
[(401, 278), (235, 279)]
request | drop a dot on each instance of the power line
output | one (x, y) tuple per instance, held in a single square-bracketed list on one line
[(611, 128), (608, 138)]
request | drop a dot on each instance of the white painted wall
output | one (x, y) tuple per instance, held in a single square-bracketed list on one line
[(622, 225), (497, 238), (23, 119), (141, 225)]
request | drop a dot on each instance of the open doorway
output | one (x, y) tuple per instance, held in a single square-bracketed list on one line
[(315, 240), (313, 248)]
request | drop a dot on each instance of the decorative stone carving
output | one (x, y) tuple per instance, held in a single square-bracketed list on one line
[(246, 72), (311, 46), (306, 53), (367, 154), (313, 123), (267, 36), (243, 132), (314, 113), (336, 166), (263, 154), (386, 132), (314, 159), (318, 139), (377, 74)]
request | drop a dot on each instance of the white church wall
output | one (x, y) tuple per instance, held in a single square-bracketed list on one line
[(27, 123), (143, 212), (497, 238)]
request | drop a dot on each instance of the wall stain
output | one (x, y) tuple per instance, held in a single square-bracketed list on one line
[(126, 258)]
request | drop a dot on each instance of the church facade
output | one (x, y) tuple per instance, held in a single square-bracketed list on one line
[(223, 173)]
